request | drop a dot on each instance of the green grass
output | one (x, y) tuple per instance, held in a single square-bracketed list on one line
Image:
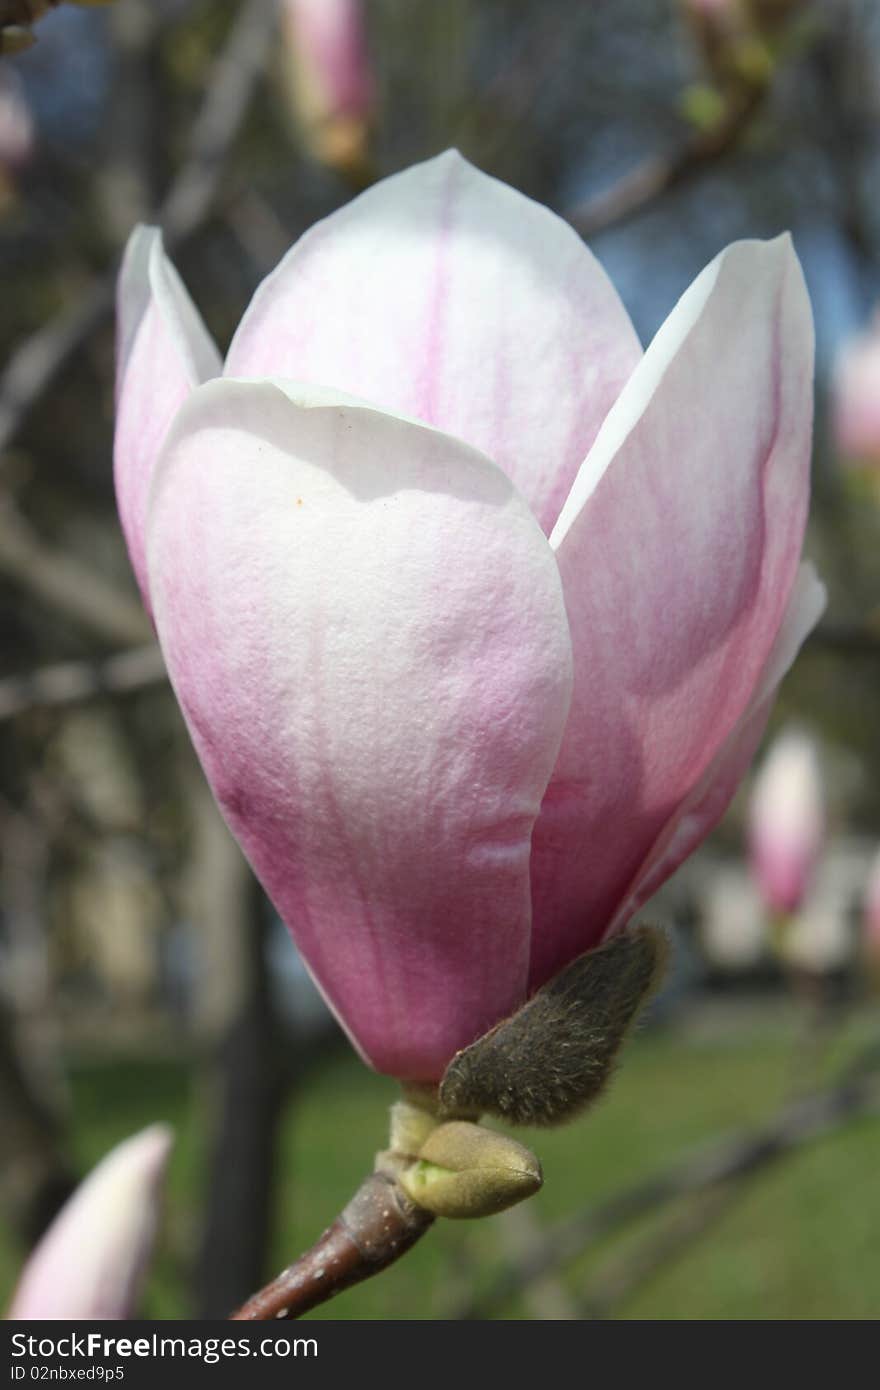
[(799, 1242)]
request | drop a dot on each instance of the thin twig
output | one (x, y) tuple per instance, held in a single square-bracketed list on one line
[(547, 1299), (800, 1123), (624, 1275), (378, 1226), (66, 584), (68, 682)]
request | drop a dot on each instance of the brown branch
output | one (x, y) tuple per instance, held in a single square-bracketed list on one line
[(624, 1275), (67, 682), (231, 84), (798, 1124), (661, 174), (65, 584), (378, 1226)]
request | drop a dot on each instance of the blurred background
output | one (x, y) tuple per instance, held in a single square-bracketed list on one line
[(731, 1172)]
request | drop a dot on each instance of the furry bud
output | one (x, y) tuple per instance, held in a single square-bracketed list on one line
[(553, 1057)]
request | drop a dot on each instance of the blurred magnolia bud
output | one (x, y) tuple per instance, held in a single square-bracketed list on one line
[(819, 939), (786, 821), (91, 1262), (871, 920), (856, 400), (329, 79), (731, 918), (463, 1170), (16, 124)]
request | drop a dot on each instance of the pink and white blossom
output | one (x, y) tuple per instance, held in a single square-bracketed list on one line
[(787, 821), (331, 76), (856, 400), (91, 1262), (16, 122), (474, 610)]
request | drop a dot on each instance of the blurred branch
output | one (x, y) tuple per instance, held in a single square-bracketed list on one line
[(231, 85), (547, 1299), (35, 362), (661, 174), (67, 682), (35, 1177), (798, 1124), (67, 585), (624, 1275), (248, 1067)]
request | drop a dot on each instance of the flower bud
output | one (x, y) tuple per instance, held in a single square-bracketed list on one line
[(856, 401), (786, 821), (463, 1170), (16, 129), (329, 79), (91, 1261)]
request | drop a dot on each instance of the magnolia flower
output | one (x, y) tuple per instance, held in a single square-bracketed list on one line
[(330, 76), (474, 611), (786, 821), (856, 400), (91, 1261)]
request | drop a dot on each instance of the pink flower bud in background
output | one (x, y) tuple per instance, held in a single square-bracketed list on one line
[(91, 1262), (329, 78), (16, 129), (731, 924), (786, 821), (856, 400), (475, 611)]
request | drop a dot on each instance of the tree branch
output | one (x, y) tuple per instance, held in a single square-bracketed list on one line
[(624, 1275), (663, 173), (65, 584), (67, 682), (378, 1226)]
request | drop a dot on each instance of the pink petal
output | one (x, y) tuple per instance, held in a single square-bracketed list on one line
[(164, 352), (787, 821), (365, 629), (449, 297), (91, 1261), (678, 549), (711, 797)]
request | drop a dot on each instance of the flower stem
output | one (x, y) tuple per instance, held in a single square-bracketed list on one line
[(379, 1225)]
